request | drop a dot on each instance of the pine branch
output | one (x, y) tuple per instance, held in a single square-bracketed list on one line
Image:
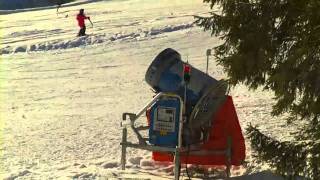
[(290, 159)]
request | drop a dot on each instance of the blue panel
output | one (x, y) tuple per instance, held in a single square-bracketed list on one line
[(161, 131)]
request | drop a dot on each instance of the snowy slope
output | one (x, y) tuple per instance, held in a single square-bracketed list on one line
[(10, 7), (62, 97)]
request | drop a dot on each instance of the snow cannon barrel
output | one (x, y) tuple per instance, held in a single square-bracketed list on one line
[(165, 74)]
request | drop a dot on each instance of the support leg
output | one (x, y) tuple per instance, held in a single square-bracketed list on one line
[(124, 148), (177, 164), (228, 156)]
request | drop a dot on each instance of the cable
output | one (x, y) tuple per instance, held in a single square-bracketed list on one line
[(188, 150)]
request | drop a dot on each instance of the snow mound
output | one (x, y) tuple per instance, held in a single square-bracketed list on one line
[(84, 175), (109, 165), (147, 163), (17, 175), (135, 160), (94, 39)]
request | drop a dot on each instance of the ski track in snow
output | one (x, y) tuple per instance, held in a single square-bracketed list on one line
[(90, 39)]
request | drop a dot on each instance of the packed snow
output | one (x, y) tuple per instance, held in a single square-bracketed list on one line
[(139, 35), (62, 97)]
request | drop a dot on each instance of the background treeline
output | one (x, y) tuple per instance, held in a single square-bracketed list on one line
[(21, 4)]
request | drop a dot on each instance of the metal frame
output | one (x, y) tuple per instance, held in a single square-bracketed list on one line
[(178, 151)]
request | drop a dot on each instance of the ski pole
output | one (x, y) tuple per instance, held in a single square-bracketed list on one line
[(91, 22)]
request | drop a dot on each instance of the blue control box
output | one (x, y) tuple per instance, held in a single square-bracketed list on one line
[(164, 122)]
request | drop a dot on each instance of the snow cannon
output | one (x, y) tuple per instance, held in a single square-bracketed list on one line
[(165, 74), (200, 92), (190, 120)]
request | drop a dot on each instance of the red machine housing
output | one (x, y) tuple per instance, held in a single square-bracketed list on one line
[(225, 123)]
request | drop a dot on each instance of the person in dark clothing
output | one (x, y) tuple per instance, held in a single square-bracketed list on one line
[(59, 3), (80, 18)]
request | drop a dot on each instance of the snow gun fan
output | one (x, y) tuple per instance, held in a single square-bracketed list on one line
[(190, 120)]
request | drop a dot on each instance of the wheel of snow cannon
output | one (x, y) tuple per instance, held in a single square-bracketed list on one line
[(200, 122)]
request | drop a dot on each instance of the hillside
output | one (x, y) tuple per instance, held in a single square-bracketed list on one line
[(62, 97)]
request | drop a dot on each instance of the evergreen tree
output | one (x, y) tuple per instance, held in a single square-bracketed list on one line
[(275, 44)]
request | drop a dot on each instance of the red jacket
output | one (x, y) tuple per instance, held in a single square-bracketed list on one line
[(81, 18)]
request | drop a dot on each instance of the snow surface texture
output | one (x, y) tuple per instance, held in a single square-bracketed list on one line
[(140, 35), (62, 97)]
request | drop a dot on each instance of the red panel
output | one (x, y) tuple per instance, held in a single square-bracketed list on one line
[(225, 123)]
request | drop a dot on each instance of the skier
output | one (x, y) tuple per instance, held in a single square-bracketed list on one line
[(80, 18), (59, 3)]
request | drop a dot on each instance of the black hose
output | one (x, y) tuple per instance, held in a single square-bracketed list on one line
[(188, 150)]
